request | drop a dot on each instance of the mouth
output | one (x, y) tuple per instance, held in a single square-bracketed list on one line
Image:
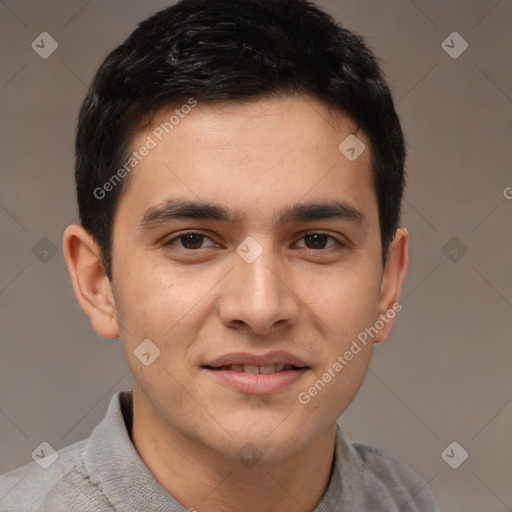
[(255, 369), (257, 375)]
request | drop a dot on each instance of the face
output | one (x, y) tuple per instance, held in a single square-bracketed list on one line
[(247, 249)]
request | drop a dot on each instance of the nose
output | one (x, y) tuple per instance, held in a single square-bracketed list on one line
[(258, 296)]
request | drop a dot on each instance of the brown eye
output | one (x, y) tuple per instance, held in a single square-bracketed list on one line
[(191, 240), (188, 241), (316, 241), (319, 241)]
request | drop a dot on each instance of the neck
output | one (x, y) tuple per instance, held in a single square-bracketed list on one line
[(201, 478)]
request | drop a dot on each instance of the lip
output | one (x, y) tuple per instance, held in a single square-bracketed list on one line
[(257, 383), (275, 357)]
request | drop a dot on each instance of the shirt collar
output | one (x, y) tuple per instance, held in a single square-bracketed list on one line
[(115, 466), (111, 457)]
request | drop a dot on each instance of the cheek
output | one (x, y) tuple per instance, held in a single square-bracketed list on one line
[(346, 301), (152, 300), (166, 308), (333, 386), (349, 305)]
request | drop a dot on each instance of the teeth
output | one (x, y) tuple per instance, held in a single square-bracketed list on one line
[(254, 369)]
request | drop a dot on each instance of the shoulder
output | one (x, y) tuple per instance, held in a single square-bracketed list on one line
[(65, 484), (386, 479)]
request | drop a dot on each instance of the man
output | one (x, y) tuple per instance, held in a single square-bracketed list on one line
[(240, 169)]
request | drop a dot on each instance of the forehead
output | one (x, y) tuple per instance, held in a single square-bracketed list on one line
[(251, 153)]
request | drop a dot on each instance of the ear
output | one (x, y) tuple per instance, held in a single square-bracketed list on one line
[(92, 287), (392, 279)]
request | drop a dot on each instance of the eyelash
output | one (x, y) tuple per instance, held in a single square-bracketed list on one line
[(167, 244)]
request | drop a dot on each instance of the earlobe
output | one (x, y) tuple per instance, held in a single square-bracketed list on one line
[(392, 280), (91, 285)]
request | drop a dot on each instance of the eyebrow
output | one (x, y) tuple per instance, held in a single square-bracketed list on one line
[(180, 209)]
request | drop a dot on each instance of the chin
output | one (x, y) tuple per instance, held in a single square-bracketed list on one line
[(263, 443)]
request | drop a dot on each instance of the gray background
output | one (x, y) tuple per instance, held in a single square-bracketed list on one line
[(444, 373)]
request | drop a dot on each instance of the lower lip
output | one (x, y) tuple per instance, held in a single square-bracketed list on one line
[(258, 383)]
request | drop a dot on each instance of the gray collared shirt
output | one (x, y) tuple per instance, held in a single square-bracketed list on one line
[(105, 473)]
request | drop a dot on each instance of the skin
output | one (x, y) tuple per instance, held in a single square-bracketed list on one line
[(202, 302)]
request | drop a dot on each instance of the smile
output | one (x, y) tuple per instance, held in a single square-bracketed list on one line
[(254, 369)]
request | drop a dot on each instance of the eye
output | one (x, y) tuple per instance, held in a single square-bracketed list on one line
[(194, 241), (319, 241), (190, 240)]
